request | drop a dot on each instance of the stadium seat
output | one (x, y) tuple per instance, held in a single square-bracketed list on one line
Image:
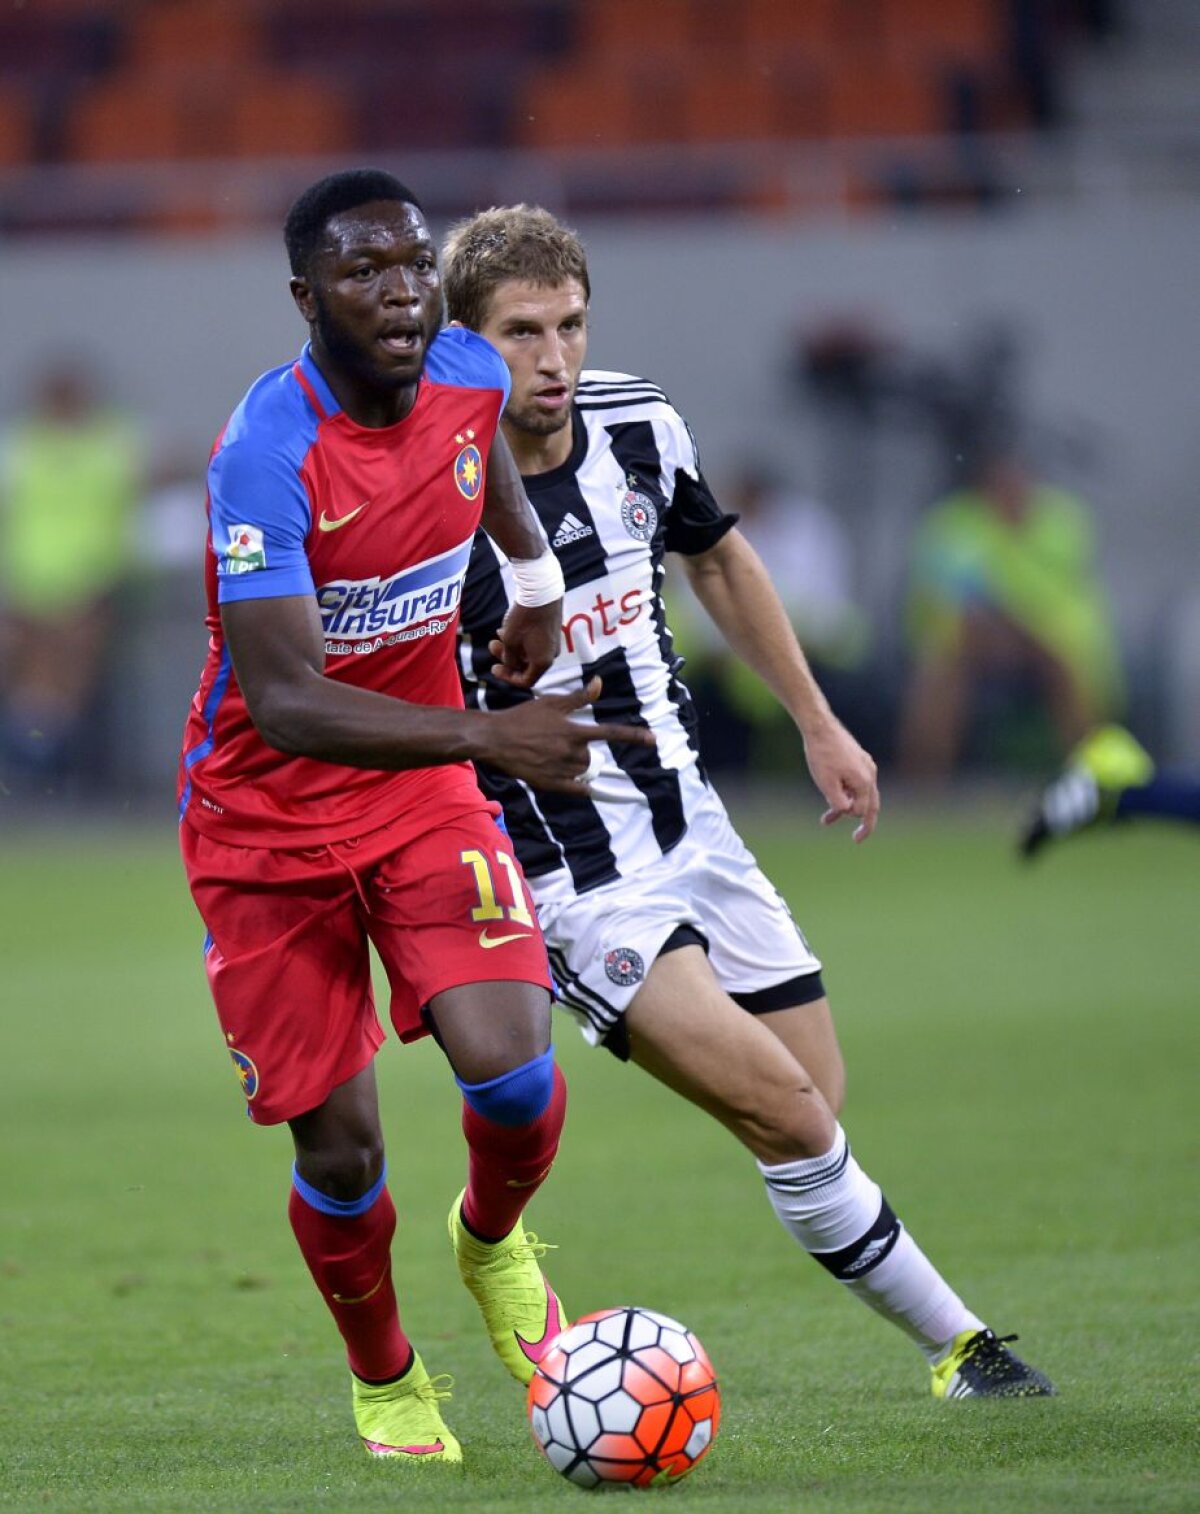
[(874, 98), (127, 120), (450, 106), (288, 115), (755, 102), (597, 106), (375, 33), (40, 46), (348, 37), (635, 28), (722, 103), (209, 114), (943, 31), (800, 93), (190, 33), (720, 27), (17, 135), (622, 29), (821, 27)]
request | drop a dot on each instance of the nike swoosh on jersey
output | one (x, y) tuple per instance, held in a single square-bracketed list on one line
[(485, 940), (336, 522)]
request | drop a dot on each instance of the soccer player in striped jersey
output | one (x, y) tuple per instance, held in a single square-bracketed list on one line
[(327, 799), (668, 943)]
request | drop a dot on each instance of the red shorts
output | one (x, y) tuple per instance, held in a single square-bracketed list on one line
[(287, 951)]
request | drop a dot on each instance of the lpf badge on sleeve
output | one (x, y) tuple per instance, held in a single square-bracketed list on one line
[(245, 552)]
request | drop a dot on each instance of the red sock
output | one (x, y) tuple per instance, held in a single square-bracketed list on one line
[(509, 1163), (350, 1258)]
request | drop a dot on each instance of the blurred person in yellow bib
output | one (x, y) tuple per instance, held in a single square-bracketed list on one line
[(1004, 593), (70, 479)]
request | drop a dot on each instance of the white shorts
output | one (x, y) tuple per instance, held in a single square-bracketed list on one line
[(709, 889)]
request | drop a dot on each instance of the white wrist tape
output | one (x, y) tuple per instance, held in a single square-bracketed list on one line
[(539, 580)]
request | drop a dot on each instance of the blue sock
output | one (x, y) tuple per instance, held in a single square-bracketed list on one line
[(1170, 796)]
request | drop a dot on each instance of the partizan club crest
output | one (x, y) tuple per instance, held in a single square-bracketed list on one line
[(638, 513), (624, 966)]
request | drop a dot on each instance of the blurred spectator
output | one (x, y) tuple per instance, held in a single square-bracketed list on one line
[(172, 521), (1005, 603), (810, 558), (69, 486)]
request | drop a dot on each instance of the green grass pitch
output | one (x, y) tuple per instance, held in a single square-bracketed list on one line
[(1022, 1046)]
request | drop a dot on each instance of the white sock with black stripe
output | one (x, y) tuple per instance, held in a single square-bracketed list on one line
[(841, 1218)]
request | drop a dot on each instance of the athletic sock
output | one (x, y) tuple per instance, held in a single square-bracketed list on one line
[(508, 1163), (347, 1245), (842, 1219), (1170, 796)]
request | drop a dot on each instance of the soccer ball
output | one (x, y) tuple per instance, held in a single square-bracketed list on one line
[(624, 1396)]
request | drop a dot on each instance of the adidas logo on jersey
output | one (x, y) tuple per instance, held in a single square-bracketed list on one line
[(571, 529)]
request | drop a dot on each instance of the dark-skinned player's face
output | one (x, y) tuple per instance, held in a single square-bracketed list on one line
[(373, 297)]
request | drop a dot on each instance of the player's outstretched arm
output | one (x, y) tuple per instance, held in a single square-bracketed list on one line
[(735, 589), (528, 640), (278, 652)]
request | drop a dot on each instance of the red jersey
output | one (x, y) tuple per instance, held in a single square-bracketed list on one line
[(377, 523)]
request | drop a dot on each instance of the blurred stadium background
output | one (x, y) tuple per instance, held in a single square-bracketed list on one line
[(839, 233), (845, 236)]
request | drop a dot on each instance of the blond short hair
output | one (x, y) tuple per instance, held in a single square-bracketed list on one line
[(507, 242)]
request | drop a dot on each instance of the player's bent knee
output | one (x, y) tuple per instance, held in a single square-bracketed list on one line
[(344, 1172), (517, 1097), (800, 1127)]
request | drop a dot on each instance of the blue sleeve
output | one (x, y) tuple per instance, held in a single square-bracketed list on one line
[(463, 357), (261, 517)]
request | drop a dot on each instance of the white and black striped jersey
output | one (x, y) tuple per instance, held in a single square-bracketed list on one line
[(631, 491)]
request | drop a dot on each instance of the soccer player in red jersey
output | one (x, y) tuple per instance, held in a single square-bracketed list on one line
[(327, 798)]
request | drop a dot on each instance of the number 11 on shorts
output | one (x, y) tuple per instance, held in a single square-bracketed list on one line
[(488, 907)]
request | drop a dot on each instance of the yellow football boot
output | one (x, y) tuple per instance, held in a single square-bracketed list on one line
[(520, 1309)]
